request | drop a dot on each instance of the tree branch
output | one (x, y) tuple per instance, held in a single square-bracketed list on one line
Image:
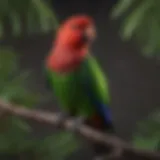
[(55, 119)]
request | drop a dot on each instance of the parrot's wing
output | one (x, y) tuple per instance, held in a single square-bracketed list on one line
[(97, 87)]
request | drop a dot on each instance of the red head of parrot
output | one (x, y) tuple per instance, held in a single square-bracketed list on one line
[(72, 43)]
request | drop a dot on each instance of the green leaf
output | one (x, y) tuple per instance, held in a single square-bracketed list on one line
[(148, 134), (31, 21), (57, 146), (135, 18), (148, 144), (1, 29), (14, 131), (121, 7), (46, 15), (141, 21), (153, 37), (43, 21), (8, 61), (16, 23), (15, 134), (21, 124)]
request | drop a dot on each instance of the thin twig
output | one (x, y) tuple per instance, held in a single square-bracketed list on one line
[(56, 120)]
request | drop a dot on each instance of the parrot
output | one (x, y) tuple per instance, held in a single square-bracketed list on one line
[(75, 77)]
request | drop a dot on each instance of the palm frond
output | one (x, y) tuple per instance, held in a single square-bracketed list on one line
[(141, 21), (35, 14)]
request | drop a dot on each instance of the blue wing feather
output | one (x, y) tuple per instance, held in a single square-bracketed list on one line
[(102, 109)]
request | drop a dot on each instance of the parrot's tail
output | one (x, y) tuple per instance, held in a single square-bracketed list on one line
[(98, 123)]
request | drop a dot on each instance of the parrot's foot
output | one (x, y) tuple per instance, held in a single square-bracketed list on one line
[(78, 121), (61, 116)]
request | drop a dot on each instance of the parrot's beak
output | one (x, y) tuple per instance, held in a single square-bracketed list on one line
[(90, 34)]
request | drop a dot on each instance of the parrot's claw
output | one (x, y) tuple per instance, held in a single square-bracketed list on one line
[(78, 121), (62, 117)]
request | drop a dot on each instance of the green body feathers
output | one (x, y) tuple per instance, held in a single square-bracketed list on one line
[(71, 89)]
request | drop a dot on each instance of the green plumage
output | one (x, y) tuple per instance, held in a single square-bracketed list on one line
[(69, 88)]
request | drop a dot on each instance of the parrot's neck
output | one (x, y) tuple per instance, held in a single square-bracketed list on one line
[(64, 62)]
